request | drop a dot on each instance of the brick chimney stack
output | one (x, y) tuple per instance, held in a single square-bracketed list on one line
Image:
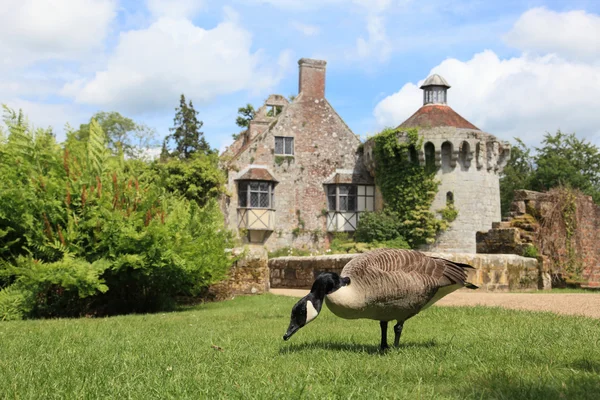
[(312, 78)]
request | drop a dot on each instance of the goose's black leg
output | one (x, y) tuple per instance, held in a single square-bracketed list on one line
[(384, 326), (398, 331)]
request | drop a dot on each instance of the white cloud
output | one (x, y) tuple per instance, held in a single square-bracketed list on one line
[(50, 115), (151, 67), (306, 29), (34, 30), (174, 8), (304, 5), (377, 44), (525, 96), (574, 34)]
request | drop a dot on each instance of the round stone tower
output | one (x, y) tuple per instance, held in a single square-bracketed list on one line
[(469, 163)]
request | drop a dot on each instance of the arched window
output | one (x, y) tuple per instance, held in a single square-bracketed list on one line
[(413, 156), (464, 154), (449, 198), (429, 155), (478, 155), (446, 154)]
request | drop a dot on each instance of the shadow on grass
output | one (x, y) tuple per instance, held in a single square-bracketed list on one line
[(504, 386), (587, 366), (354, 347)]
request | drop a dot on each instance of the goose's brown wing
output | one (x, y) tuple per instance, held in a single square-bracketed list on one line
[(392, 274)]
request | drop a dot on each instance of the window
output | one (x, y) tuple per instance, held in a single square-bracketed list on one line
[(429, 155), (256, 194), (284, 145), (449, 199), (464, 155), (332, 197), (447, 154), (350, 198), (346, 198), (413, 156)]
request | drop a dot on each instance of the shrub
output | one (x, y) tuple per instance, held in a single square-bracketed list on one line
[(397, 243), (377, 226), (342, 243), (198, 179), (83, 231), (449, 213), (530, 251)]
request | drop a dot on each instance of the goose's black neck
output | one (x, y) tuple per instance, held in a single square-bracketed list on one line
[(326, 283)]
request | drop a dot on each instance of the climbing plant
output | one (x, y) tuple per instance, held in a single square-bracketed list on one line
[(559, 237), (408, 188)]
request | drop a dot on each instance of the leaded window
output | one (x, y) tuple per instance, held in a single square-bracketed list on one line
[(256, 194), (350, 198), (346, 198), (284, 145)]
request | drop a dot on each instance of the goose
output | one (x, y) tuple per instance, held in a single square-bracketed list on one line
[(382, 285)]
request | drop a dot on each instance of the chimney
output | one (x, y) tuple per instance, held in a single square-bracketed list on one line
[(312, 78)]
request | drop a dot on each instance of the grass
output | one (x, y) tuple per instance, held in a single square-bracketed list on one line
[(234, 350)]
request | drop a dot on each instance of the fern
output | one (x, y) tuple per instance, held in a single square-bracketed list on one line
[(97, 151)]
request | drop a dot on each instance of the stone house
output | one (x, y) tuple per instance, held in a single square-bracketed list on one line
[(296, 174)]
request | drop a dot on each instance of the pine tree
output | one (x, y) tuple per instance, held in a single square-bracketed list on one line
[(186, 132)]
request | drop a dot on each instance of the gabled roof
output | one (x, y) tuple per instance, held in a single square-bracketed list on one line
[(349, 176), (435, 115), (257, 174)]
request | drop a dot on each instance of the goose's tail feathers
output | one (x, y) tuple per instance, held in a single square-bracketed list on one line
[(469, 285)]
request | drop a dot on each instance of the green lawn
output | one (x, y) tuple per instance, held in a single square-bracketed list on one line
[(451, 353)]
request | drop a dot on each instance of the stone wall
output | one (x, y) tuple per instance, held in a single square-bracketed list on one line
[(493, 272), (524, 229), (249, 275)]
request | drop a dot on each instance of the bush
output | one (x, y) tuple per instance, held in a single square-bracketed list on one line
[(15, 303), (343, 244), (83, 231), (530, 251), (378, 226), (198, 179), (449, 213)]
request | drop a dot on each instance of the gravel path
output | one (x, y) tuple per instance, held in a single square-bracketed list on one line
[(587, 305)]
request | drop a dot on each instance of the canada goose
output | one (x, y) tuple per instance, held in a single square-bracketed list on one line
[(384, 285)]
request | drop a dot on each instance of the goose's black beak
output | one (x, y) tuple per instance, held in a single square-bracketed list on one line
[(291, 330)]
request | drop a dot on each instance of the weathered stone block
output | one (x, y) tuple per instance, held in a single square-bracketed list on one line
[(518, 207)]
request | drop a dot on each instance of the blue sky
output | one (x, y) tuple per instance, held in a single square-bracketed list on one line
[(517, 68)]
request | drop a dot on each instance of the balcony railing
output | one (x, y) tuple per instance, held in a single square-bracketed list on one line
[(256, 219), (342, 221)]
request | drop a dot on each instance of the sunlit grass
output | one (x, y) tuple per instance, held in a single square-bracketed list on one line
[(234, 350)]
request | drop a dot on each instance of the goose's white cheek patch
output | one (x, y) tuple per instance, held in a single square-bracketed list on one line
[(311, 312)]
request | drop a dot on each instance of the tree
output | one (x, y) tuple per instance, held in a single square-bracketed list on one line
[(517, 174), (561, 160), (246, 114), (566, 160), (186, 132), (198, 179), (122, 134)]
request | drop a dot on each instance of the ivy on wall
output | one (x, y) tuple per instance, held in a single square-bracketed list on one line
[(408, 188)]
